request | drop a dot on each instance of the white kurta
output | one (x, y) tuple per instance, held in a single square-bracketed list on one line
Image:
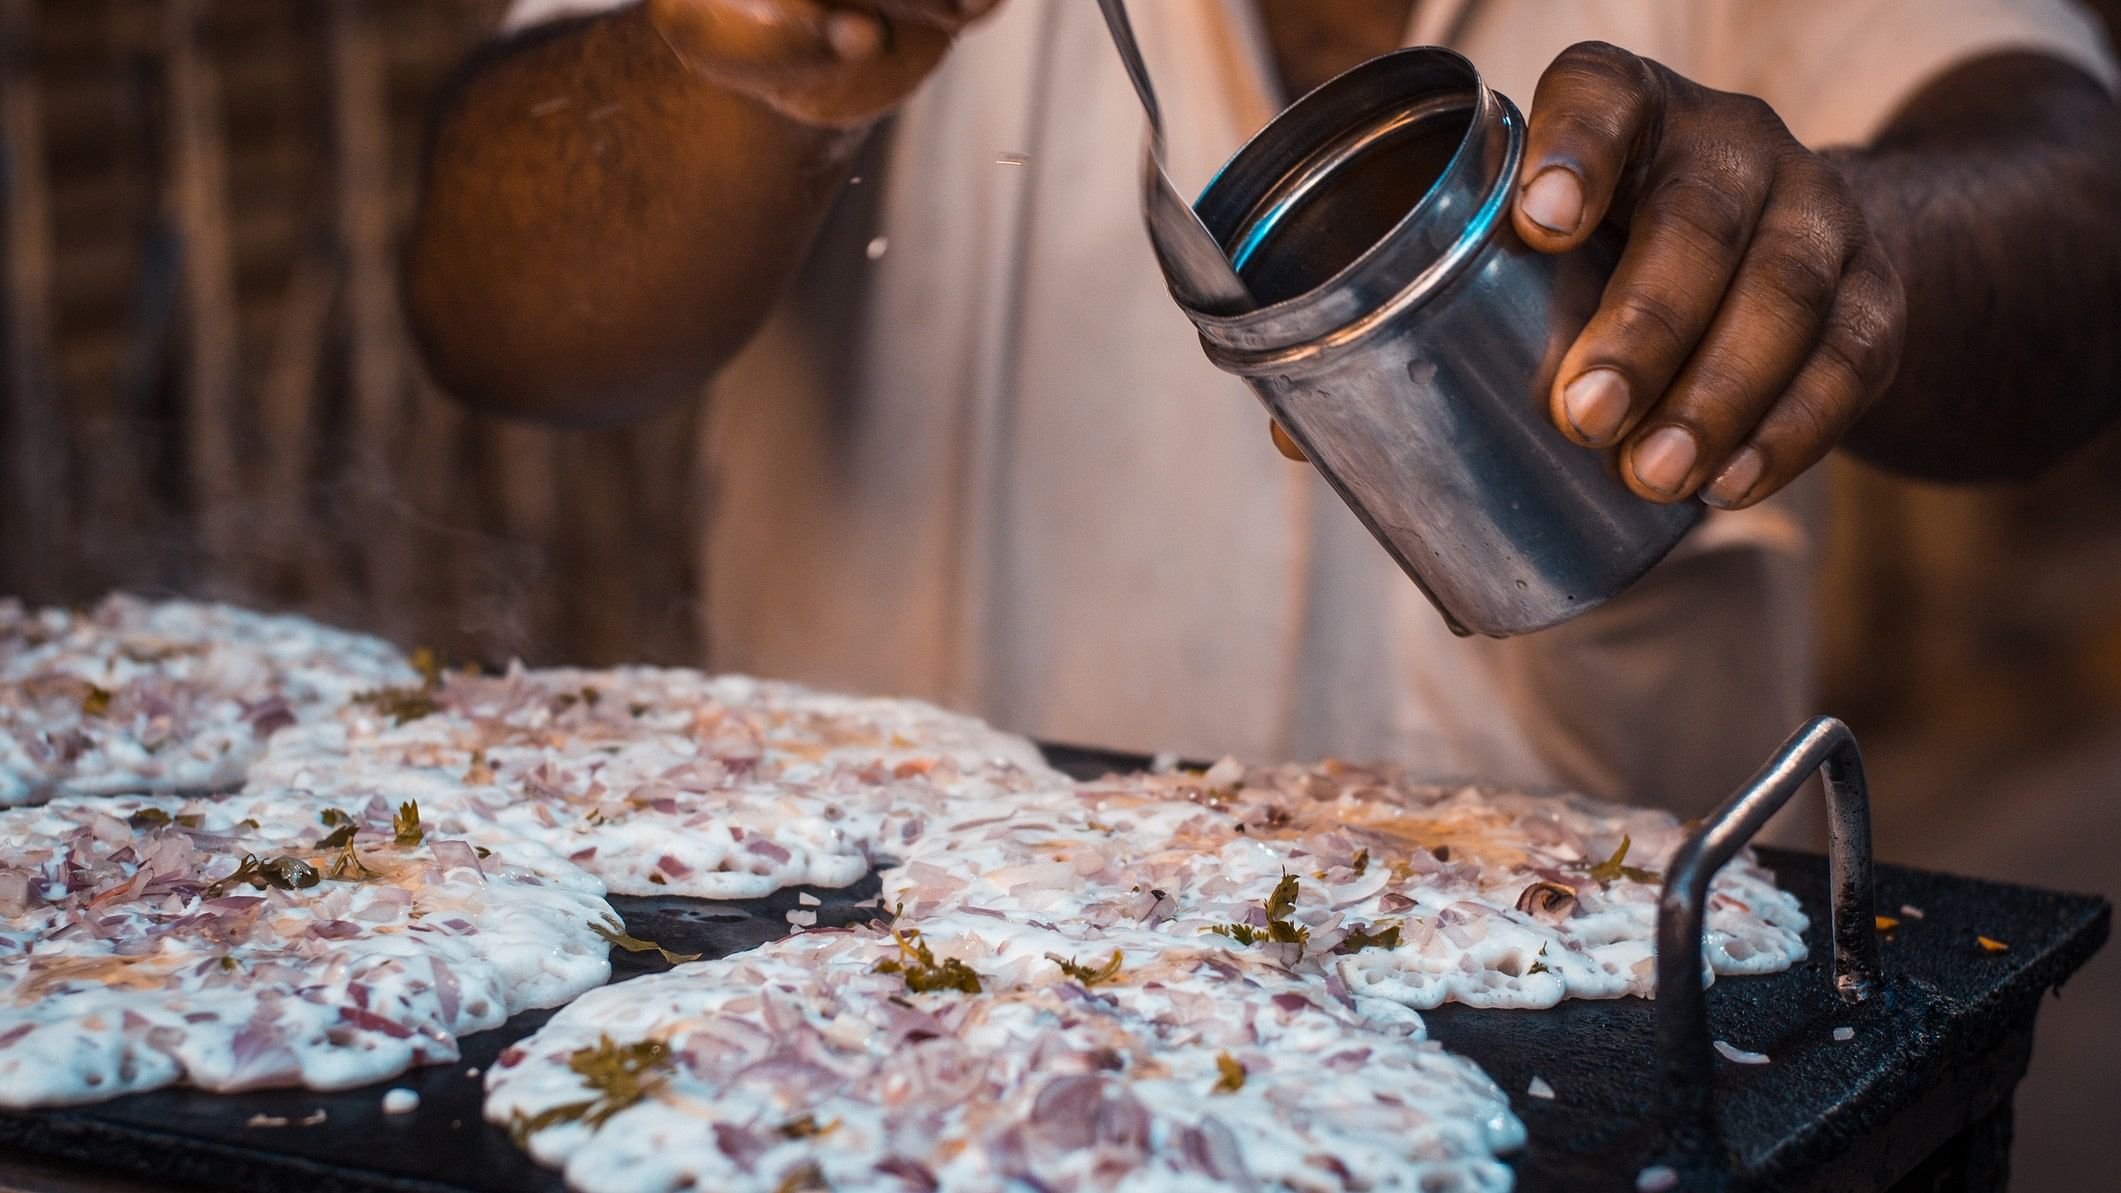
[(991, 466)]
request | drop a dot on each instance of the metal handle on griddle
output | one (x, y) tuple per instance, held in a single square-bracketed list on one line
[(1683, 1047)]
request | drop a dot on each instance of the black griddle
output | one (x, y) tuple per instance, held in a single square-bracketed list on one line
[(1919, 1098)]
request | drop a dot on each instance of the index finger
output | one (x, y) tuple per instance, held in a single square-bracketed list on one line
[(1594, 113)]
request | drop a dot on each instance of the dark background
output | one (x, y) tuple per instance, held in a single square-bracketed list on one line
[(208, 390)]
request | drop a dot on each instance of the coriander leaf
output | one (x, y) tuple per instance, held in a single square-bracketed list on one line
[(1360, 937), (1610, 871), (620, 1075), (617, 934), (1233, 1074), (406, 822), (923, 974), (1088, 975), (806, 1127), (97, 702)]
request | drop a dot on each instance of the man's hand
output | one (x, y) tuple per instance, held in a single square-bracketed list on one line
[(835, 63), (1753, 318)]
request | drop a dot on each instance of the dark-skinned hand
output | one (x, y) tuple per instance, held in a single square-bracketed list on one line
[(1752, 318)]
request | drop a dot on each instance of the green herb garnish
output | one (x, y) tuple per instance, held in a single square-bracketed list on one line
[(342, 828), (348, 866), (1233, 1074), (401, 705), (1361, 937), (1086, 974), (806, 1127), (1609, 871), (616, 934), (923, 974), (406, 824), (149, 818), (806, 1177), (620, 1075), (1361, 865), (282, 873), (429, 665), (96, 703), (1537, 965), (1280, 929)]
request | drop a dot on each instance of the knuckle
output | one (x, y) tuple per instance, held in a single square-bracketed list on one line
[(1806, 425), (1805, 283), (1644, 316), (1600, 64), (1698, 202), (1850, 363)]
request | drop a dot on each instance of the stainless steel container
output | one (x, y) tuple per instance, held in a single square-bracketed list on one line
[(1407, 340)]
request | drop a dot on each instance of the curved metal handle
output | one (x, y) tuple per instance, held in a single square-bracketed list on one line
[(1683, 1047)]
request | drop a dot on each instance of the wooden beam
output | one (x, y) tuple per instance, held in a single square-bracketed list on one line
[(34, 423), (195, 201), (375, 341)]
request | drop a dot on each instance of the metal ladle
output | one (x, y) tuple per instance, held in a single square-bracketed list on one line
[(1199, 273)]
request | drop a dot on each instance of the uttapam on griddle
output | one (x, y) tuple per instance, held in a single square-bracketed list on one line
[(666, 781), (236, 944), (136, 695), (962, 1058), (1413, 892)]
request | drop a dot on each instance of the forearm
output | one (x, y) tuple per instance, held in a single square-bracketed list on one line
[(1995, 196), (600, 228)]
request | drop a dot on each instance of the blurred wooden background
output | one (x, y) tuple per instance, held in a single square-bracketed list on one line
[(207, 389)]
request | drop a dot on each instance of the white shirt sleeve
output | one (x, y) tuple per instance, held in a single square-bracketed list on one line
[(1839, 70), (524, 13)]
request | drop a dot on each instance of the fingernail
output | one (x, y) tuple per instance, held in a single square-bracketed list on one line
[(854, 37), (1596, 404), (1736, 480), (1664, 458), (1554, 200)]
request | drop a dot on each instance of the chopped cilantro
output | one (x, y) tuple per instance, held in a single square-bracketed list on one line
[(621, 1075), (1283, 900), (1361, 937), (1609, 871), (1537, 965), (806, 1127), (148, 818), (429, 665), (401, 705), (1233, 1074), (1280, 928), (332, 818), (348, 866), (617, 934), (97, 702), (805, 1177), (1361, 864), (406, 823), (283, 873), (922, 973), (1089, 975), (338, 838)]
